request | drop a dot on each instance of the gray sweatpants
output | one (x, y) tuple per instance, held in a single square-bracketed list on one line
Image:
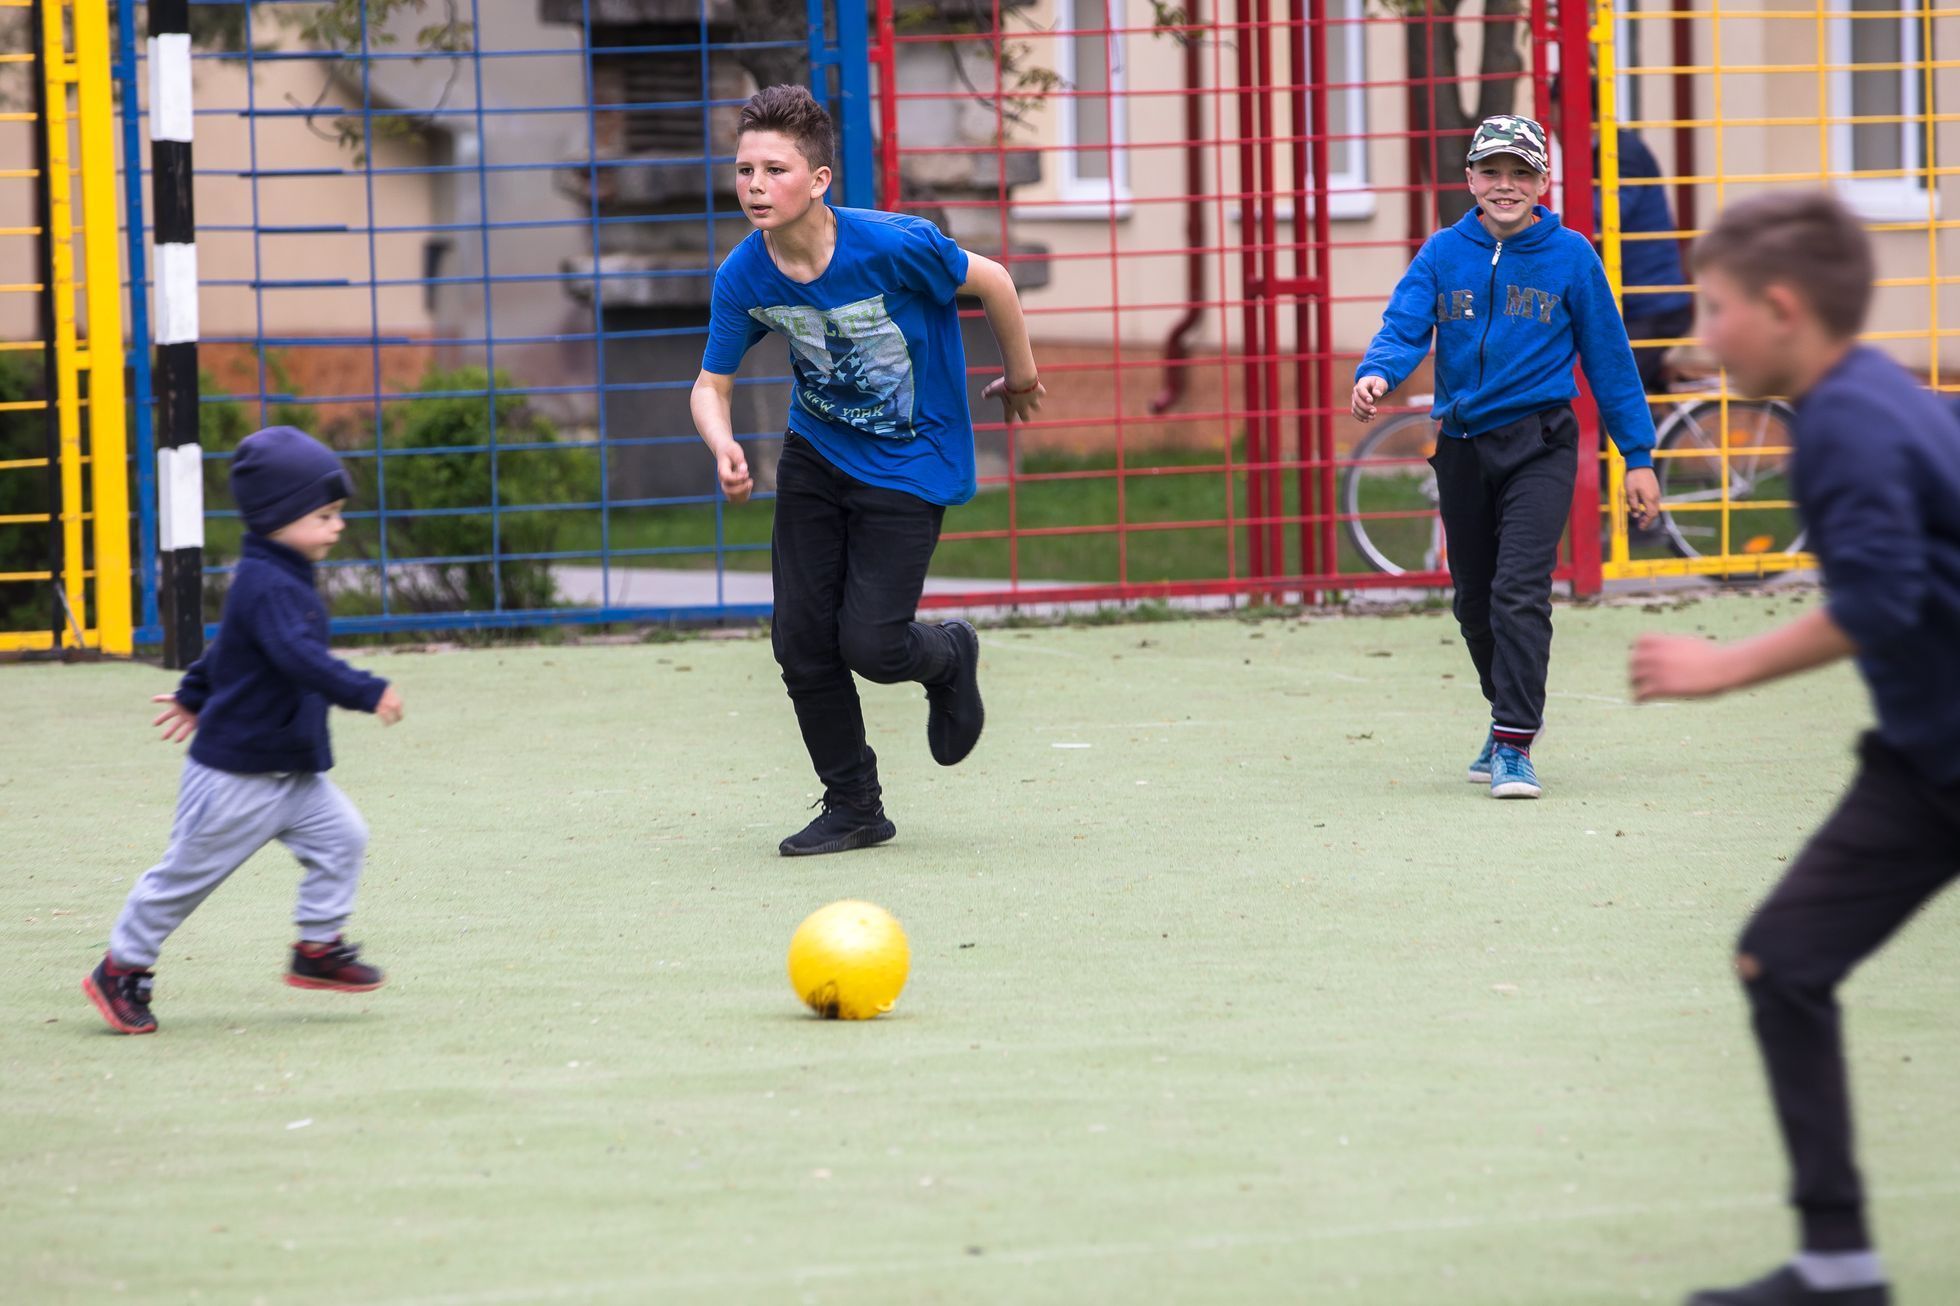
[(222, 819)]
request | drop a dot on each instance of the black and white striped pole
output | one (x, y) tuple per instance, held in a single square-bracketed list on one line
[(180, 459)]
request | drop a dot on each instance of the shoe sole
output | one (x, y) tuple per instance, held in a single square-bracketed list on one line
[(329, 986), (107, 1013), (1515, 789), (864, 837), (1476, 777), (969, 684)]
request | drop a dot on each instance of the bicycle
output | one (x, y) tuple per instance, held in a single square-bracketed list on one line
[(1389, 499)]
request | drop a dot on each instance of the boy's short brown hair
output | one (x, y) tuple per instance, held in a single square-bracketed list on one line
[(1807, 240), (793, 112)]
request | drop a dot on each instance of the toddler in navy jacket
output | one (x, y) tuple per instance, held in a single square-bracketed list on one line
[(257, 702)]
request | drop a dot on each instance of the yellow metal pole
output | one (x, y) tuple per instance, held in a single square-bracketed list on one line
[(1611, 253), (108, 430), (60, 72), (1932, 199), (1721, 197)]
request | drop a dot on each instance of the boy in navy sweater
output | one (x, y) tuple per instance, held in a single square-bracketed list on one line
[(880, 444), (1785, 282), (257, 701), (1511, 298)]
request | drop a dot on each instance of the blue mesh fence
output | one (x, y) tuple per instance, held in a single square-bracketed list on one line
[(470, 245)]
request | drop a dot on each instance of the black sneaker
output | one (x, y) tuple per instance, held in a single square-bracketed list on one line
[(1785, 1287), (956, 716), (336, 966), (839, 829), (123, 1000)]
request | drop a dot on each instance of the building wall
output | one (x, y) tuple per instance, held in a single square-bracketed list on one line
[(1085, 302)]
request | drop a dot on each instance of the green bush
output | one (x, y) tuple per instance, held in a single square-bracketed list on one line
[(416, 483), (439, 504)]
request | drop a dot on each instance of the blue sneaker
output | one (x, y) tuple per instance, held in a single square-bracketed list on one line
[(1511, 775), (1479, 773)]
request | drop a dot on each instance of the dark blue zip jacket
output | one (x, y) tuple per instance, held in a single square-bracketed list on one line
[(1508, 321), (261, 690), (1878, 483)]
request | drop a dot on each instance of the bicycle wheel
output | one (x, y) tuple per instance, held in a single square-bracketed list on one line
[(1388, 498), (1697, 480)]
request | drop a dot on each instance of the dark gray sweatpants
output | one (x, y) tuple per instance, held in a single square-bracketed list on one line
[(222, 819), (1505, 497)]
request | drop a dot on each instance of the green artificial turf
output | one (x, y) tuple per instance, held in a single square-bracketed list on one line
[(1226, 988)]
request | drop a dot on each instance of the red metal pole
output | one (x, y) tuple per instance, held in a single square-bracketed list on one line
[(884, 58), (1274, 507), (1684, 110), (1323, 273), (1251, 215), (1306, 107), (1575, 131)]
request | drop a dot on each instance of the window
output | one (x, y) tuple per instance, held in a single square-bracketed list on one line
[(1094, 165), (1348, 195), (1347, 113), (1881, 90)]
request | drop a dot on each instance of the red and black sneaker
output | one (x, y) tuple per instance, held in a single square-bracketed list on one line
[(336, 966), (122, 996)]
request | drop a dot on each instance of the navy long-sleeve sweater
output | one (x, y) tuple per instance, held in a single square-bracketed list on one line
[(261, 690), (1878, 482), (1508, 320)]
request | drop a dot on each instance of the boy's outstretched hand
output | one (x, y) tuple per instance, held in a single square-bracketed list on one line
[(1020, 401), (1678, 666), (1367, 393), (389, 709), (732, 466), (178, 721)]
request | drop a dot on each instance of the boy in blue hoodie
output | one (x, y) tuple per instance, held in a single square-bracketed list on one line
[(1786, 280), (257, 701), (1511, 298)]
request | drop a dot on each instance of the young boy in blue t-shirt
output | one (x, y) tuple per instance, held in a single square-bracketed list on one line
[(1785, 281), (880, 444), (1511, 298)]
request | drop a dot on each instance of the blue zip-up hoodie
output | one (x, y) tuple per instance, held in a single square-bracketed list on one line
[(261, 690), (1508, 322)]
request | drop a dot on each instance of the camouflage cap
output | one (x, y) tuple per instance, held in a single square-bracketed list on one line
[(1508, 134)]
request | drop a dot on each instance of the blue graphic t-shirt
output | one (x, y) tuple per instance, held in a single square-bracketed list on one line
[(875, 345)]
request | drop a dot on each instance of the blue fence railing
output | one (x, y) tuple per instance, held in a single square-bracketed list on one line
[(472, 249)]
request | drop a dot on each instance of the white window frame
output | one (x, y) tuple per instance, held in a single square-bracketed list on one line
[(1880, 199), (1091, 197), (1348, 196)]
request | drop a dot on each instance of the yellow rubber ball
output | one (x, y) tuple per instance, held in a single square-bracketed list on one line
[(849, 960)]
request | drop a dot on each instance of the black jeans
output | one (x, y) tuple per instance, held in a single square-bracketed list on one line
[(1505, 497), (849, 561), (1892, 844)]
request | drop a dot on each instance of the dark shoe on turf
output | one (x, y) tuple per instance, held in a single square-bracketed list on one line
[(335, 966), (123, 1000), (838, 829), (1785, 1287), (956, 716)]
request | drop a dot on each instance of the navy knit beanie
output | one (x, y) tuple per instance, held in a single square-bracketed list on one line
[(280, 474)]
